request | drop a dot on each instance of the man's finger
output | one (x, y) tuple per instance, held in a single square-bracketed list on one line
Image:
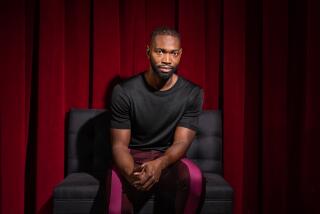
[(137, 173), (149, 182), (144, 179), (150, 186), (138, 168)]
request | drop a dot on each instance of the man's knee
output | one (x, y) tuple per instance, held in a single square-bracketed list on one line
[(183, 178), (191, 178)]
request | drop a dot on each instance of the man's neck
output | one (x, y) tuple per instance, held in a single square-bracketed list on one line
[(159, 84)]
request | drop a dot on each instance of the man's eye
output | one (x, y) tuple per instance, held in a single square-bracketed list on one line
[(159, 51)]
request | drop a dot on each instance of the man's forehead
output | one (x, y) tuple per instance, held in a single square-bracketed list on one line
[(166, 41)]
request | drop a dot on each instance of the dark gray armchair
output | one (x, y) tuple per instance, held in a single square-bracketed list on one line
[(88, 158)]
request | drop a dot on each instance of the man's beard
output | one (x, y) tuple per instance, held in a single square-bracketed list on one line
[(163, 75)]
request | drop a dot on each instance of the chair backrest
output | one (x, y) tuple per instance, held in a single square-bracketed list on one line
[(89, 149), (206, 149)]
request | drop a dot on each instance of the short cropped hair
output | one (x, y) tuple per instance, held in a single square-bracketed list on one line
[(164, 31)]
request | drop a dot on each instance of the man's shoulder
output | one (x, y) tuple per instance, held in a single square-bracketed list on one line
[(128, 85), (132, 82), (189, 85)]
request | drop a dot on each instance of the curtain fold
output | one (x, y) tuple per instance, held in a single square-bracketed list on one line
[(257, 61), (13, 101)]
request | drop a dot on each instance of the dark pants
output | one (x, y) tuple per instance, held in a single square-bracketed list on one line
[(179, 190)]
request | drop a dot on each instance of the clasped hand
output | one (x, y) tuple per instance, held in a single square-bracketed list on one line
[(146, 175)]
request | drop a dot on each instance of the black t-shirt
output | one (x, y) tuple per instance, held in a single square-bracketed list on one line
[(153, 115)]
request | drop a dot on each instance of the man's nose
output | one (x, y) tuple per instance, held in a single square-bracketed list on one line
[(166, 59)]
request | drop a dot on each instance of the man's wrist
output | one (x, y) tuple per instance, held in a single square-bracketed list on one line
[(129, 170), (164, 162)]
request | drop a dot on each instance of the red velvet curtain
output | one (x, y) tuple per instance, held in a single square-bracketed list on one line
[(257, 61)]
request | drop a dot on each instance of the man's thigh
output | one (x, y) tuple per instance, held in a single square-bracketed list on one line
[(180, 188)]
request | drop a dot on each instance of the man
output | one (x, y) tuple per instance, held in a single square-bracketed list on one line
[(154, 120)]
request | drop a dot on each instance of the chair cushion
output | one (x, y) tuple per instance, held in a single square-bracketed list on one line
[(217, 188), (77, 185)]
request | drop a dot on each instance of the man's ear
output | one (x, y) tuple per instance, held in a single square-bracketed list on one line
[(148, 51)]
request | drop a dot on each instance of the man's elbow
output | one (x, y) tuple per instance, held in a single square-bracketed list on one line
[(119, 147)]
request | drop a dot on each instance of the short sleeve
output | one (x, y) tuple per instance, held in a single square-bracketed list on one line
[(190, 117), (120, 109)]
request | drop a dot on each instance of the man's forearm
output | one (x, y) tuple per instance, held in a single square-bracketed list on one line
[(182, 140), (123, 159), (174, 153)]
